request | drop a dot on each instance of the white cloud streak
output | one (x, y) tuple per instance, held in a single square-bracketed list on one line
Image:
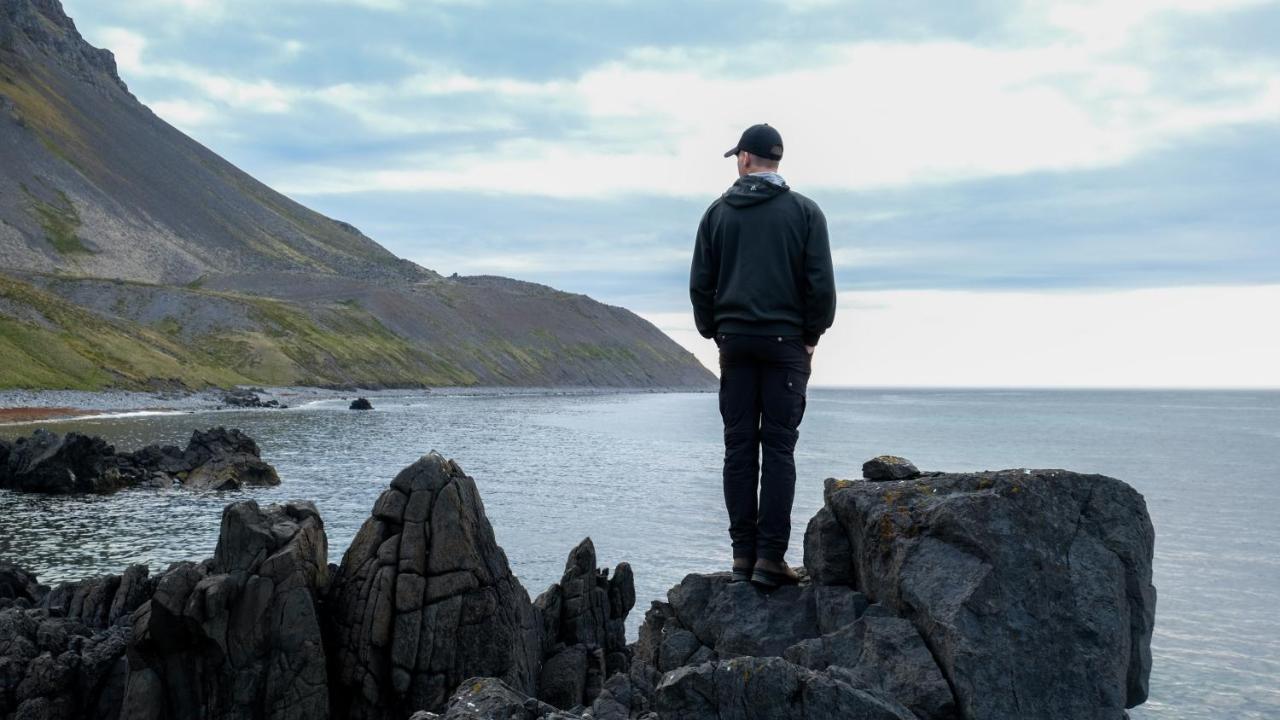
[(1165, 337), (858, 116)]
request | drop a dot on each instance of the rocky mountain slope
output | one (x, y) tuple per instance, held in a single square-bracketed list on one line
[(132, 255), (937, 596)]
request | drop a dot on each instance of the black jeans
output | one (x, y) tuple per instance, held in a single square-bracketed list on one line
[(763, 380)]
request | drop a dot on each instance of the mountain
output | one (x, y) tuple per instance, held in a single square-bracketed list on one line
[(132, 256)]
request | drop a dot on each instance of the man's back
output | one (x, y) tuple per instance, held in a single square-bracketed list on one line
[(762, 264)]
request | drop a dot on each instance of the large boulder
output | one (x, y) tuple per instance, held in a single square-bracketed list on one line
[(238, 635), (424, 599), (1031, 588), (889, 467), (222, 459)]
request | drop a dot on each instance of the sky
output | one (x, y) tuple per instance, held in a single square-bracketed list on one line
[(1078, 194)]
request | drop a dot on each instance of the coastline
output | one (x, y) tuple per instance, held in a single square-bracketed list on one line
[(27, 407)]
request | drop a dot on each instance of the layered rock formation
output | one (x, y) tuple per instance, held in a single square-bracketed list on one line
[(584, 626), (1014, 594), (424, 599), (238, 635), (214, 459)]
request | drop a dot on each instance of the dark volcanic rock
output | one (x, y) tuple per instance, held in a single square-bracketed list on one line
[(884, 653), (1032, 589), (485, 698), (1017, 594), (738, 619), (247, 398), (47, 462), (102, 601), (424, 599), (18, 584), (709, 620), (215, 459), (584, 617), (753, 688), (361, 404), (231, 472), (53, 667), (66, 657), (237, 636), (889, 467)]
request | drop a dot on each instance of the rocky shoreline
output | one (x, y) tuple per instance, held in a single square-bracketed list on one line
[(1012, 594), (55, 464), (19, 407)]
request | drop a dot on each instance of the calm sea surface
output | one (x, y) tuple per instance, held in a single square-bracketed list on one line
[(639, 473)]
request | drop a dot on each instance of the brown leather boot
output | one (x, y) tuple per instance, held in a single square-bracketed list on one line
[(742, 567), (769, 574)]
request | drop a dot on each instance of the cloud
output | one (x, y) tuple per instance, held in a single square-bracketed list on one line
[(187, 115), (127, 46), (871, 115), (1165, 337)]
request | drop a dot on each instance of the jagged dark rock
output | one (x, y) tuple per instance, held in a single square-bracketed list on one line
[(424, 599), (584, 629), (889, 467), (361, 404), (708, 619), (48, 462), (237, 636), (215, 459), (247, 398), (1031, 588), (486, 698), (18, 584), (757, 688), (102, 601), (1012, 594), (884, 653), (62, 652)]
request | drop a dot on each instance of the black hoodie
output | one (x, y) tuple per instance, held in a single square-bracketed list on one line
[(762, 264)]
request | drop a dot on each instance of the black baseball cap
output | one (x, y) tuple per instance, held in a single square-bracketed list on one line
[(761, 140)]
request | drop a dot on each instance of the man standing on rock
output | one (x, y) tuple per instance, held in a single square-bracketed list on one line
[(762, 286)]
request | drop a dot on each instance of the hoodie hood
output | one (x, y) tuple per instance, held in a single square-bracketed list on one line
[(753, 190)]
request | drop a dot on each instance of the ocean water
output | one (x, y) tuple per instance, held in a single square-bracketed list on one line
[(639, 473)]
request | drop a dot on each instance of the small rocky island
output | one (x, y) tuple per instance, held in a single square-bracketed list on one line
[(214, 459), (1016, 594)]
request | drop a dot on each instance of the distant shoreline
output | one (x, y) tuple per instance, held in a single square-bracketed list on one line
[(26, 407)]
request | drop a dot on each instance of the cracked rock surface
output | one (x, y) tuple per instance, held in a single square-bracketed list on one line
[(238, 635), (1031, 588), (424, 599)]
